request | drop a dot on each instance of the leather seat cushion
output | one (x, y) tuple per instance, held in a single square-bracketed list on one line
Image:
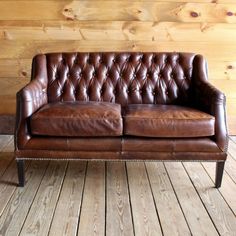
[(78, 119), (167, 121)]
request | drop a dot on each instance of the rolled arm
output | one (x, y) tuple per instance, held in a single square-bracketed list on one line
[(29, 99), (211, 100)]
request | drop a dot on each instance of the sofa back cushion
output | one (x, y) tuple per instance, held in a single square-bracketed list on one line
[(125, 78)]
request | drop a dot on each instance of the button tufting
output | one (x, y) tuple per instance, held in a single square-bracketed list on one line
[(68, 74), (171, 76)]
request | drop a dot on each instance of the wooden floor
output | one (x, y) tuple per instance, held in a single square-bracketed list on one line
[(116, 198)]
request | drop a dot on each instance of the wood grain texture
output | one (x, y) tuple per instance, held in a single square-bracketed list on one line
[(40, 215), (222, 216), (9, 147), (92, 217), (5, 160), (14, 215), (117, 30), (28, 49), (69, 203), (117, 10), (232, 149), (228, 185), (194, 211), (145, 217), (8, 184), (171, 217), (230, 167), (4, 140), (118, 216)]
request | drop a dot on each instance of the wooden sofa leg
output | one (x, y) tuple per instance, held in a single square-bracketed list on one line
[(21, 172), (219, 173)]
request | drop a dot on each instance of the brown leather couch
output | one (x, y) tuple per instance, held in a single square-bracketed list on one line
[(126, 106)]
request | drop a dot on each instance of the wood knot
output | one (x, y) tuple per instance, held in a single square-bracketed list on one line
[(24, 73), (229, 13), (194, 14)]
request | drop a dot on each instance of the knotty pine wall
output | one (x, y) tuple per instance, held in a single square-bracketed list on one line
[(30, 27)]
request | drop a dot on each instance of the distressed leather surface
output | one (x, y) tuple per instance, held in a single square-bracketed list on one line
[(78, 119), (177, 79), (167, 121)]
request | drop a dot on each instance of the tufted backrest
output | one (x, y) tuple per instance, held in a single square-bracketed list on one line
[(151, 78)]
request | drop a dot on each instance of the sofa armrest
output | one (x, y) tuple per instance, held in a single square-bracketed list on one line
[(211, 100), (29, 99)]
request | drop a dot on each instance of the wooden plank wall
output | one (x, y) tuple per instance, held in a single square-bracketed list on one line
[(202, 26)]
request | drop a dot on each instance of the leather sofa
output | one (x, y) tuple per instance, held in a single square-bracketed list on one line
[(120, 106)]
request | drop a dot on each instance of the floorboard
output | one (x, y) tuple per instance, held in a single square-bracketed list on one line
[(171, 216), (16, 211), (40, 215), (196, 215), (92, 218), (116, 198), (69, 202), (221, 215), (145, 216), (227, 188), (118, 216)]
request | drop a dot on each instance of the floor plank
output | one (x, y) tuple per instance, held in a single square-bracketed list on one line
[(233, 138), (116, 198), (118, 216), (5, 159), (145, 217), (171, 217), (41, 212), (230, 167), (16, 211), (92, 218), (4, 140), (69, 202), (9, 147), (232, 149), (194, 211), (227, 188), (8, 184), (222, 216)]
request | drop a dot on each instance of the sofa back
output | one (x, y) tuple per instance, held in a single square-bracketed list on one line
[(125, 78)]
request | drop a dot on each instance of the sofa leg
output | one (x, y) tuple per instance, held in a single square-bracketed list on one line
[(219, 173), (21, 172)]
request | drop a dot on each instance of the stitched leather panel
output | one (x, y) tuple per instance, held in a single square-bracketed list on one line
[(131, 144)]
